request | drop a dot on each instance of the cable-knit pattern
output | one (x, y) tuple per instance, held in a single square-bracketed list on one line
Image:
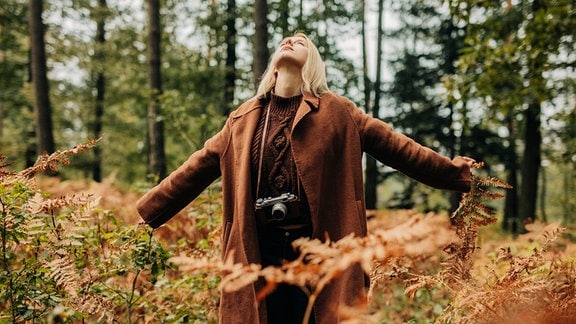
[(278, 169)]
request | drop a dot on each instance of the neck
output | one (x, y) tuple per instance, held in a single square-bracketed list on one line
[(288, 83)]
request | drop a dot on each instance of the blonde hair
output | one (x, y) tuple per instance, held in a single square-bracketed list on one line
[(313, 72)]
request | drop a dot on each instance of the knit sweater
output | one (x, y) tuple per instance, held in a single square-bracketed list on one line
[(277, 169), (278, 173)]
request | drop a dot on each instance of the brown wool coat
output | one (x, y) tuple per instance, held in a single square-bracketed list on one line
[(329, 137)]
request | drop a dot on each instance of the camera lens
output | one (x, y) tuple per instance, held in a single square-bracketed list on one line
[(279, 211)]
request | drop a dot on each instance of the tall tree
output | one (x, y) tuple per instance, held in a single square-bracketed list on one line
[(261, 51), (567, 156), (532, 133), (372, 174), (230, 75), (42, 106), (430, 43), (284, 20), (365, 68), (99, 55), (509, 222), (157, 155)]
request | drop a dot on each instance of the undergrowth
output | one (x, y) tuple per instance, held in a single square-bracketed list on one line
[(69, 259), (64, 259)]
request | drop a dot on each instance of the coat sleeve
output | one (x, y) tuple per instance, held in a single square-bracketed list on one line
[(407, 156), (184, 184)]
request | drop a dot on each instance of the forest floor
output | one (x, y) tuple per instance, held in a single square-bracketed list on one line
[(421, 282)]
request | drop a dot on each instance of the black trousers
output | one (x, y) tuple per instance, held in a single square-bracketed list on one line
[(287, 304)]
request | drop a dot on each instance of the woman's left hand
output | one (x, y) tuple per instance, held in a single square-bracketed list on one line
[(468, 160)]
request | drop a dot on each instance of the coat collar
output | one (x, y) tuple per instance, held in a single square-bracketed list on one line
[(312, 100), (259, 102)]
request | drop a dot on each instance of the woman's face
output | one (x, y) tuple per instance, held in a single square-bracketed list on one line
[(292, 51)]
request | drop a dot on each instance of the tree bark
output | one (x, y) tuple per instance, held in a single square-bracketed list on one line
[(532, 137), (261, 52), (530, 165), (230, 78), (450, 52), (542, 199), (100, 87), (510, 219), (42, 106), (157, 157), (372, 174)]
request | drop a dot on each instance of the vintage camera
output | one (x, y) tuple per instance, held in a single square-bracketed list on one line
[(279, 209)]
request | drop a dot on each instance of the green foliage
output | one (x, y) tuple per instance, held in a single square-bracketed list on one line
[(51, 253), (16, 127), (511, 51), (442, 289), (430, 42), (67, 259), (515, 71)]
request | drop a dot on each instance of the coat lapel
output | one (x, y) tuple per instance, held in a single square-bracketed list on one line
[(309, 103), (244, 125)]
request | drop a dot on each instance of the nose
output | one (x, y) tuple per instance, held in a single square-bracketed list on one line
[(287, 41)]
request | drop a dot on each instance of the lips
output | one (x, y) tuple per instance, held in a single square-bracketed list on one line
[(286, 48)]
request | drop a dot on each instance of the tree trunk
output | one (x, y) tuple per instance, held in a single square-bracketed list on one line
[(510, 220), (261, 52), (157, 157), (284, 14), (300, 19), (543, 186), (450, 53), (568, 184), (532, 136), (366, 77), (100, 88), (372, 174), (42, 107), (568, 168), (530, 165), (230, 78)]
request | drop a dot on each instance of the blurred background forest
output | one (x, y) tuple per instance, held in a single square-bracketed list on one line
[(493, 80), (154, 79)]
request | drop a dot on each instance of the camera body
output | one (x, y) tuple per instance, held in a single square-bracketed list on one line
[(279, 208)]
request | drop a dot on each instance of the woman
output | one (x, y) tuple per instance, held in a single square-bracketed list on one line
[(300, 145)]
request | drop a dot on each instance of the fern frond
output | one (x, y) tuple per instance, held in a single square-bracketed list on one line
[(492, 182), (39, 205), (471, 214), (536, 288), (63, 271), (50, 162), (3, 165), (321, 262), (94, 305)]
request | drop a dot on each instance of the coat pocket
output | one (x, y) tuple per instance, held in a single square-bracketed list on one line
[(226, 238)]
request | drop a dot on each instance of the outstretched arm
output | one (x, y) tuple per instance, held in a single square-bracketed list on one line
[(183, 185), (407, 156)]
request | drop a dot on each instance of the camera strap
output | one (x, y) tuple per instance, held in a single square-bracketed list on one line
[(263, 141)]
